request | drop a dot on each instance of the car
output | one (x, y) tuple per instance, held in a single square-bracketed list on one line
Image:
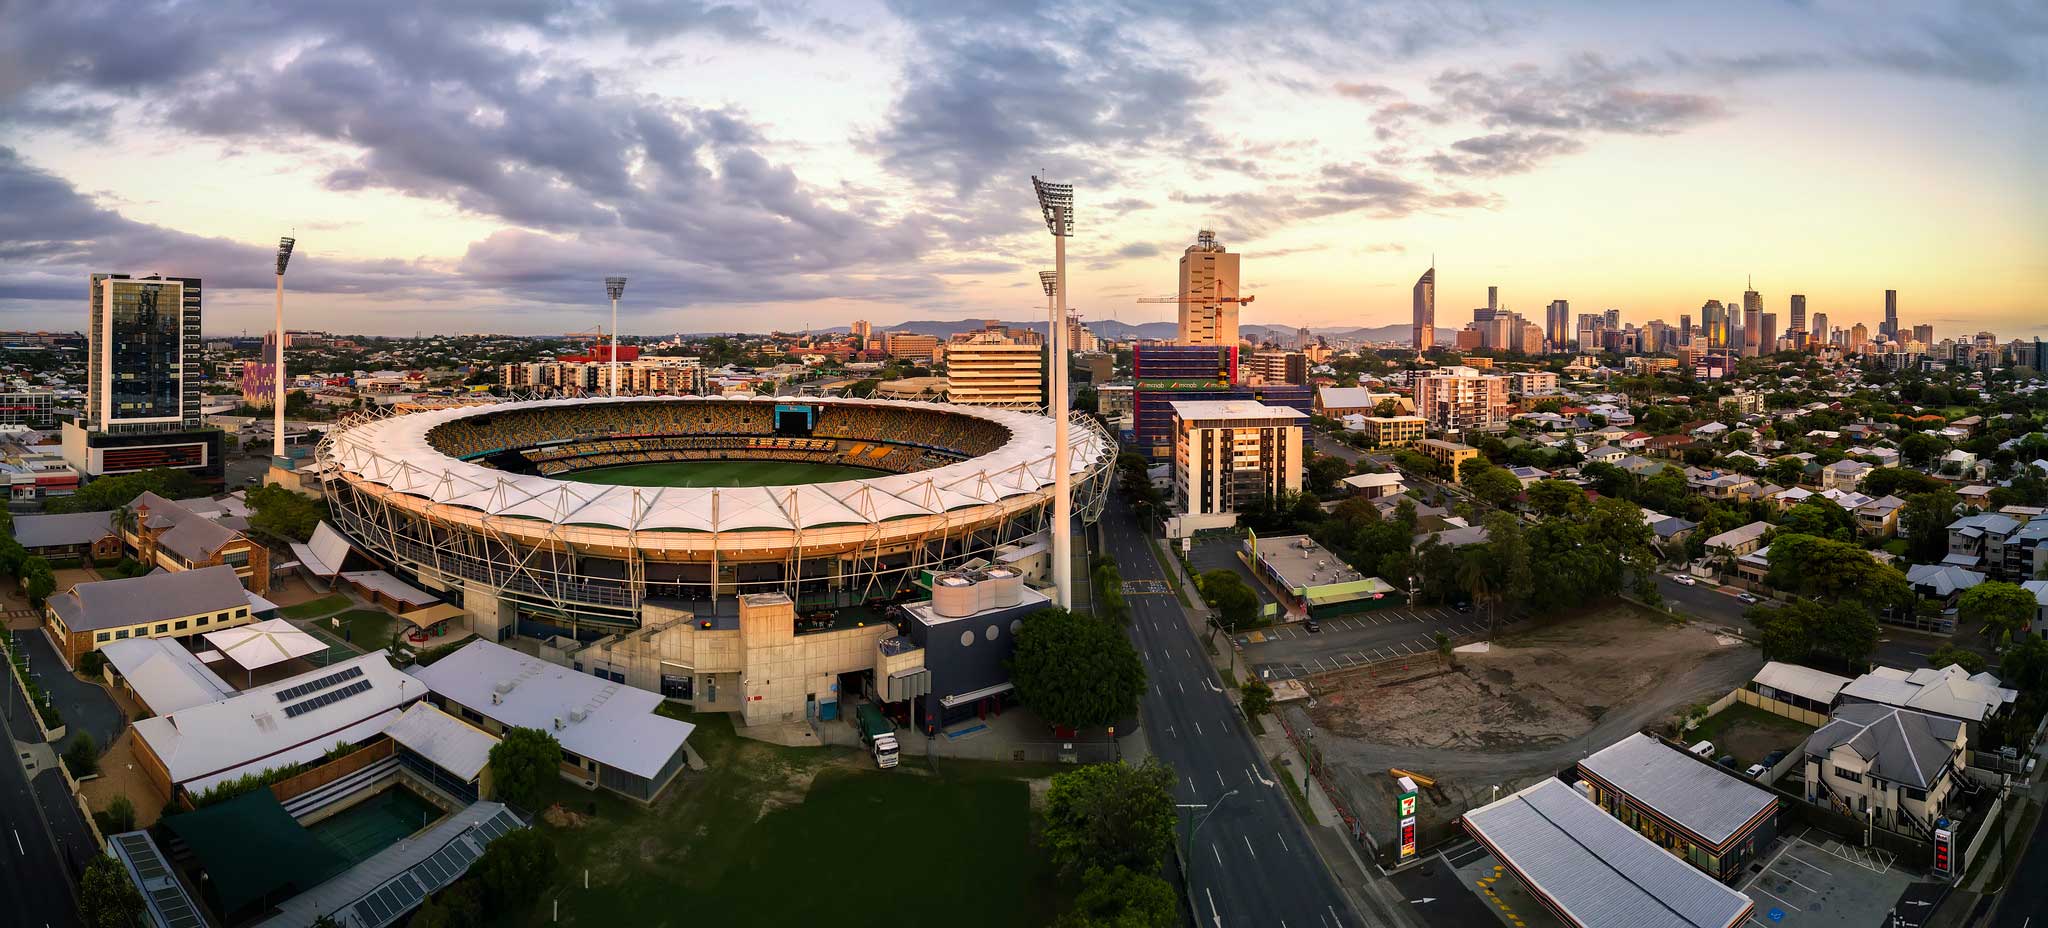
[(1727, 760), (1463, 607), (1313, 626), (1685, 579), (1772, 759), (1748, 597), (1755, 771)]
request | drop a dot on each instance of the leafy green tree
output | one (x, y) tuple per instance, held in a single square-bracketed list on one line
[(1806, 630), (1785, 471), (281, 513), (1899, 482), (1235, 603), (1493, 485), (109, 493), (521, 764), (516, 867), (1109, 816), (37, 581), (1947, 654), (82, 755), (106, 897), (1609, 480), (1665, 492), (12, 555), (1075, 671), (1255, 697), (1122, 898), (1555, 498), (1924, 521), (1921, 448), (2002, 608), (1821, 518), (1323, 473)]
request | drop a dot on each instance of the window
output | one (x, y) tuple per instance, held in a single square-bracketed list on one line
[(1849, 775), (103, 636), (222, 616), (163, 627), (242, 613), (123, 633), (205, 619), (181, 624)]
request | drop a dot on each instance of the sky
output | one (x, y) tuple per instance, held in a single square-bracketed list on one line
[(482, 165)]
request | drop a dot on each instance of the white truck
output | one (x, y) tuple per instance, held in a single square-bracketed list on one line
[(880, 735)]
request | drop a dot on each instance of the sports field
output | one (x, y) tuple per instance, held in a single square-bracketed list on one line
[(721, 474)]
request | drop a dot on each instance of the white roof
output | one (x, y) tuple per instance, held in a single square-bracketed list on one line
[(165, 675), (394, 452), (1738, 536), (325, 554), (1818, 685), (1233, 409), (251, 732), (264, 643), (1347, 398), (1362, 481), (452, 744), (1948, 691), (618, 727)]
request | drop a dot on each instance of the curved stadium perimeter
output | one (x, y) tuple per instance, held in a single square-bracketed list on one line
[(574, 511)]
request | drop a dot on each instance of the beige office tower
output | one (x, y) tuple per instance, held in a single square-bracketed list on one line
[(1208, 293), (1423, 334)]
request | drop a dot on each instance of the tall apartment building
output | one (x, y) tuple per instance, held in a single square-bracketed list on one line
[(1923, 334), (1532, 383), (1890, 328), (1276, 367), (33, 408), (1423, 330), (1752, 323), (863, 330), (1557, 322), (988, 372), (1820, 329), (1462, 400), (1767, 338), (143, 378), (1208, 293), (1798, 314), (1714, 318), (1612, 319), (1229, 453), (650, 376)]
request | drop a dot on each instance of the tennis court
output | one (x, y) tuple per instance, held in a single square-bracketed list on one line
[(720, 474)]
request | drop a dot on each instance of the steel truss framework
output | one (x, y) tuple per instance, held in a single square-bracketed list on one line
[(582, 575)]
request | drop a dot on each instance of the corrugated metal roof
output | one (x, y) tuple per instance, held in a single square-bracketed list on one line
[(1698, 797), (1596, 870), (1817, 685)]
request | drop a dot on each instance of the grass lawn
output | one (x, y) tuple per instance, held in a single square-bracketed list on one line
[(313, 607), (1896, 547), (1749, 733), (721, 474), (368, 629), (787, 836)]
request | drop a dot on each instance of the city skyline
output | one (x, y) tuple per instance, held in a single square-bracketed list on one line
[(486, 170)]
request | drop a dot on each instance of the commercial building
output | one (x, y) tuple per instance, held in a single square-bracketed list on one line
[(950, 662), (1532, 383), (1701, 813), (987, 372), (1311, 579), (1422, 332), (1592, 871), (1557, 323), (1208, 293), (610, 733), (193, 534), (911, 346), (1752, 323), (1227, 453), (33, 408), (1462, 401), (1166, 374), (1448, 454), (157, 605), (1394, 431), (1889, 328), (143, 381)]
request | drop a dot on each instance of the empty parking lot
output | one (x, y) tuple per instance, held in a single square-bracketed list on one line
[(1815, 881), (1291, 651)]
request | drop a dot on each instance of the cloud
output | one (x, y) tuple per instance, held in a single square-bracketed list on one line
[(1502, 153), (1335, 189), (1586, 94), (1990, 42), (1365, 91)]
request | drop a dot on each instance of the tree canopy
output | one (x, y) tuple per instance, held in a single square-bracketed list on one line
[(109, 493), (513, 871), (1235, 603), (1122, 898), (281, 513), (106, 897), (1076, 671), (1109, 816), (1810, 631), (2002, 608), (521, 764)]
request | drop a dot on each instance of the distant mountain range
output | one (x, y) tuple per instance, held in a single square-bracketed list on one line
[(1122, 331)]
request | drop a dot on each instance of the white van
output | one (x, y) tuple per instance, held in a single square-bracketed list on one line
[(1703, 749)]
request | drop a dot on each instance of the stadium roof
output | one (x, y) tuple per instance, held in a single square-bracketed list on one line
[(611, 723), (1595, 871), (1697, 797), (394, 452)]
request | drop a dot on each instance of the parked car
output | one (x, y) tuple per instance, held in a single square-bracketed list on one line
[(1463, 607), (1313, 626), (1756, 771), (1685, 579), (1748, 597), (1772, 759)]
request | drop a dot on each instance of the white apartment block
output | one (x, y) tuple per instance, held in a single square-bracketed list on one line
[(1227, 453)]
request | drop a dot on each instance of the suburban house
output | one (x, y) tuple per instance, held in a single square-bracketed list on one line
[(1802, 694), (1949, 692), (1737, 542), (1879, 517), (1896, 767), (67, 535), (1979, 540), (1844, 474), (1943, 583)]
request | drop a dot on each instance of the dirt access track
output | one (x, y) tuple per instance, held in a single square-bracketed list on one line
[(1537, 701)]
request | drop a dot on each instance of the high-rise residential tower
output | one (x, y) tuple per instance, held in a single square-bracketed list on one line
[(1423, 332), (1493, 299), (1208, 293), (1798, 313), (1767, 339), (1752, 323), (1820, 328), (143, 374), (1557, 324), (1890, 328), (1924, 334), (1685, 328)]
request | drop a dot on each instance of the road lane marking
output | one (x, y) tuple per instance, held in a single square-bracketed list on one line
[(1198, 728), (1283, 841), (1248, 847), (1219, 780), (1219, 859), (17, 842)]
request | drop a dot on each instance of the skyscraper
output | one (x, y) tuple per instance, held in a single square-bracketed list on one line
[(1493, 299), (1820, 327), (1714, 318), (1890, 328), (143, 376), (1798, 313), (1558, 323), (1208, 293), (1924, 334), (1752, 323), (1423, 334), (1767, 338), (1685, 328), (1613, 320)]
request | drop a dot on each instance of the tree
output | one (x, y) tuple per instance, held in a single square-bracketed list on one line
[(12, 555), (1924, 523), (1256, 698), (82, 755), (516, 867), (108, 493), (521, 764), (1494, 486), (37, 582), (1121, 898), (2002, 608), (1324, 472), (1554, 498), (1920, 448), (1111, 815), (1075, 671), (1899, 482), (1785, 471), (1470, 467), (1235, 604), (280, 513), (106, 897), (1947, 654), (1821, 518), (1805, 630)]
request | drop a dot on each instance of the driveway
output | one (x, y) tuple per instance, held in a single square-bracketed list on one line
[(86, 707)]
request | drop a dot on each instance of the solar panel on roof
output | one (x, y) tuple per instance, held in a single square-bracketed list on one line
[(311, 686), (327, 698)]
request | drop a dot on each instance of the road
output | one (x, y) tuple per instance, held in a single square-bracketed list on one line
[(1250, 861), (1289, 651), (34, 888), (2024, 904), (1896, 647)]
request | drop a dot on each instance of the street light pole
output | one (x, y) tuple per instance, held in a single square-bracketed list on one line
[(1056, 201), (614, 287), (1189, 851)]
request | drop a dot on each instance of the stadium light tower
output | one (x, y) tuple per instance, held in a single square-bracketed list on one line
[(1056, 201), (284, 257), (615, 287)]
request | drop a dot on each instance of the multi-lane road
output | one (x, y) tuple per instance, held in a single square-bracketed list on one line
[(1250, 862), (34, 889)]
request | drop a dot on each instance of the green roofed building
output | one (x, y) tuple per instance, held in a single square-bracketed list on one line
[(254, 853), (1313, 579)]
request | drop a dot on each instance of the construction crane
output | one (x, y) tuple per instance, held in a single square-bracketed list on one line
[(1196, 298)]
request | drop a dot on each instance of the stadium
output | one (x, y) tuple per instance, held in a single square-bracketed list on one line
[(573, 513)]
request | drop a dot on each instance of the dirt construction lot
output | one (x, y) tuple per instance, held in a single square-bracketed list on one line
[(1536, 702)]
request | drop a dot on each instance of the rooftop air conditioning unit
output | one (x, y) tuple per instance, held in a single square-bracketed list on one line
[(505, 686), (578, 715), (558, 723), (497, 699)]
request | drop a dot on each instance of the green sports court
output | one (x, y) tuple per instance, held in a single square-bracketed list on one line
[(721, 474)]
